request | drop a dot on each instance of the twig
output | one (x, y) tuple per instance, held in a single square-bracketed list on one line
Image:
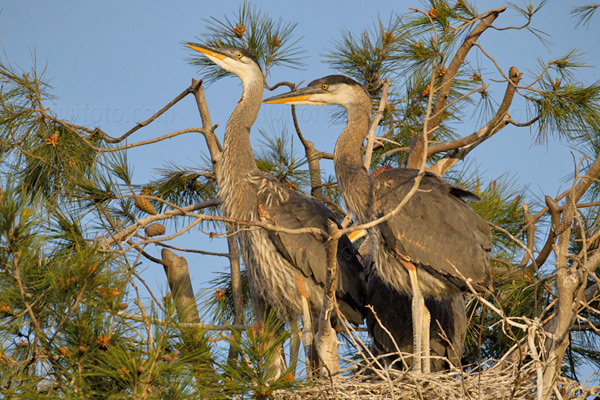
[(375, 122), (199, 325), (139, 125), (207, 253)]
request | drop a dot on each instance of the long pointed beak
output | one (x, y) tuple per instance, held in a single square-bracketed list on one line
[(354, 236), (299, 96), (207, 50)]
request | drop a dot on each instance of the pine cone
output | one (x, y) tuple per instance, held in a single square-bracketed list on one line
[(155, 229), (143, 204)]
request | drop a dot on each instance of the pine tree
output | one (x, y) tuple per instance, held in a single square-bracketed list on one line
[(77, 319)]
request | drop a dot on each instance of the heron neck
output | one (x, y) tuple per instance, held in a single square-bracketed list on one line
[(237, 152), (353, 177), (238, 159)]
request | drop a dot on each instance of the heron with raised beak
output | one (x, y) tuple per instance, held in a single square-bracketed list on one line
[(286, 272)]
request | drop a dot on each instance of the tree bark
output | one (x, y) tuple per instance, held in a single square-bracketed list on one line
[(178, 276)]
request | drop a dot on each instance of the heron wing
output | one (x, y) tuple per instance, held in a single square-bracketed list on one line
[(293, 210), (436, 228)]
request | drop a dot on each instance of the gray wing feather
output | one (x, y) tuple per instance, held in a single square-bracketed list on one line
[(436, 228), (291, 209)]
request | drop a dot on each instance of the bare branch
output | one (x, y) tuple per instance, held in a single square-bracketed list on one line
[(199, 325), (375, 123), (531, 228), (524, 124), (214, 147), (216, 153), (160, 112), (462, 147), (417, 147), (76, 128), (290, 85), (207, 253), (178, 276), (569, 280), (236, 289), (313, 157), (551, 239), (143, 142)]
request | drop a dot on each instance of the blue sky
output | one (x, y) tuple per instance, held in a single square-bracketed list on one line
[(113, 63)]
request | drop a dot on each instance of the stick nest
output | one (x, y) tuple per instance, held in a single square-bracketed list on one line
[(493, 382)]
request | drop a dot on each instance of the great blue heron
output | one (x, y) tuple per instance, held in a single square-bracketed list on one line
[(435, 245), (390, 327), (286, 271)]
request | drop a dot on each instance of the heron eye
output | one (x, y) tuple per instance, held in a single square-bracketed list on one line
[(238, 55), (324, 86)]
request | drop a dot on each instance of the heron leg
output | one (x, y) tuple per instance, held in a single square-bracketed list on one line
[(418, 304), (294, 344), (308, 337), (420, 317), (426, 321)]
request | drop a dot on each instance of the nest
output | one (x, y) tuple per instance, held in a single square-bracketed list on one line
[(494, 382)]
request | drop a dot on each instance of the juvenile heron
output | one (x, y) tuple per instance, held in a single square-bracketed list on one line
[(434, 245), (285, 271)]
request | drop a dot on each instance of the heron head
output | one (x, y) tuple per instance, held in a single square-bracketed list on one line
[(332, 89), (237, 61)]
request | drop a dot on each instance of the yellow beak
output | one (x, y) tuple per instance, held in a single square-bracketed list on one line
[(285, 100), (354, 236), (209, 51)]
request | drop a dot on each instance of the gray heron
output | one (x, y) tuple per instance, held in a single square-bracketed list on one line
[(434, 245), (285, 271)]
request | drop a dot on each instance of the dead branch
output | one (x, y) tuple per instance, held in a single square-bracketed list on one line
[(551, 239), (531, 228), (313, 156), (198, 325), (160, 112), (204, 252), (417, 142), (236, 289), (461, 147), (214, 147), (178, 276), (118, 237), (569, 280)]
